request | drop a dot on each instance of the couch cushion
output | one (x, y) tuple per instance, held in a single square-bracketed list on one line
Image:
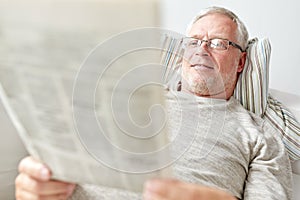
[(252, 91)]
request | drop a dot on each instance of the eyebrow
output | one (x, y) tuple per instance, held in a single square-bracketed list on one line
[(197, 36)]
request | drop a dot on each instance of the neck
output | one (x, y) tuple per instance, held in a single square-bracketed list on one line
[(222, 94)]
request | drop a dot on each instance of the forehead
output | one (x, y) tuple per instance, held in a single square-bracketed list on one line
[(214, 25)]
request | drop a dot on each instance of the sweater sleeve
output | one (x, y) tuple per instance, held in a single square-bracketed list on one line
[(269, 176)]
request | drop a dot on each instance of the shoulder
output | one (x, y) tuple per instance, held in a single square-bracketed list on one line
[(237, 114), (267, 141), (249, 119)]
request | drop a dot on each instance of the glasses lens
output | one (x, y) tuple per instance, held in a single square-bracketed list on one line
[(216, 44), (219, 44), (190, 43)]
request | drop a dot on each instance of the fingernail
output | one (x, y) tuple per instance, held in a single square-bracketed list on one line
[(150, 185), (70, 189), (45, 173)]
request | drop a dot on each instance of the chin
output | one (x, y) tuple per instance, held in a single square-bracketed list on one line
[(202, 87), (198, 87)]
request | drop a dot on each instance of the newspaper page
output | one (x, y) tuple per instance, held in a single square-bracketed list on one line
[(113, 131), (103, 123)]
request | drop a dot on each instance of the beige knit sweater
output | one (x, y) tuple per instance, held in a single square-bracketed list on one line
[(218, 143)]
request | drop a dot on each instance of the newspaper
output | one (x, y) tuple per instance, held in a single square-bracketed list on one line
[(106, 127), (76, 132), (48, 134)]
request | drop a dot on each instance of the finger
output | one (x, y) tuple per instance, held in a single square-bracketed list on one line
[(172, 189), (35, 169), (25, 182), (161, 186), (176, 190), (148, 195), (25, 195), (156, 189)]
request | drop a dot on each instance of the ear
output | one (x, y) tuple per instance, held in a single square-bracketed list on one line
[(242, 62)]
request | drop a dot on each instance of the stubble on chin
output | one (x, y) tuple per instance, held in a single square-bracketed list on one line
[(198, 84), (207, 85)]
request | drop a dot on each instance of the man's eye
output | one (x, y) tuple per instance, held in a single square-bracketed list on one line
[(218, 43), (193, 43)]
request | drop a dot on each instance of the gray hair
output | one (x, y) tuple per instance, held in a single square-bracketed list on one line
[(242, 33)]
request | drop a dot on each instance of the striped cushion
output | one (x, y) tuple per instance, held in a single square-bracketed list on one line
[(285, 122), (252, 92), (253, 83)]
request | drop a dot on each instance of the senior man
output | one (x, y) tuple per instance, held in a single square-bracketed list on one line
[(247, 161)]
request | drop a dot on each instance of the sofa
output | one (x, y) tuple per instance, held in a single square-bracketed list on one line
[(292, 102)]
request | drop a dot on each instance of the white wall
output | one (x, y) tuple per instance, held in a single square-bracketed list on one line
[(277, 20)]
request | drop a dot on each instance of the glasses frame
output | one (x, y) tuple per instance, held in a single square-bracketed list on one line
[(208, 41)]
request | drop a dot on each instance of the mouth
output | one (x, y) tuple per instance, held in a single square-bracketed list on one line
[(201, 67)]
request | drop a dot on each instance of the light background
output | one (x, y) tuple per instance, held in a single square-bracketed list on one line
[(276, 20)]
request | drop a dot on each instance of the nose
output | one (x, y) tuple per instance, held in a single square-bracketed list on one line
[(202, 49)]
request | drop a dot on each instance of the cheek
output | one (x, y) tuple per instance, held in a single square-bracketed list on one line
[(227, 65), (185, 72), (187, 55), (185, 68)]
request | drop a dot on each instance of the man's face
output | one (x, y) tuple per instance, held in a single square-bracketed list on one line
[(210, 72)]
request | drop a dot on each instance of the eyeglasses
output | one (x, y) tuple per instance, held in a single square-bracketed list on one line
[(190, 43)]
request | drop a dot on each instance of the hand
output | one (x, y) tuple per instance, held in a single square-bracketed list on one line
[(34, 183), (170, 189)]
